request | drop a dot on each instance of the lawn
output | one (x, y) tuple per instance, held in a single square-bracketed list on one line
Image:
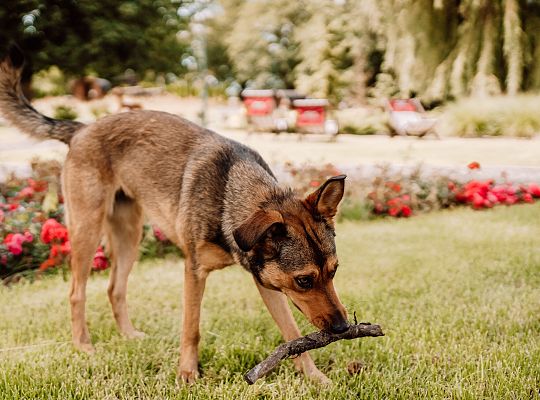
[(457, 292)]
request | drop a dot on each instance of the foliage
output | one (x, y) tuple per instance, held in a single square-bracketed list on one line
[(346, 50), (400, 194), (94, 36), (99, 111), (65, 112), (497, 116), (185, 88), (49, 82), (362, 121), (261, 41)]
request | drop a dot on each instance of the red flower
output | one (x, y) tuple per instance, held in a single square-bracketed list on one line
[(393, 211), (451, 186), (13, 242), (406, 211), (534, 190), (38, 186), (477, 200), (473, 165), (314, 183), (13, 206), (51, 230), (65, 248), (100, 261), (492, 198), (48, 263), (394, 202), (511, 199), (28, 237), (396, 187), (159, 234), (25, 193), (55, 251), (527, 198)]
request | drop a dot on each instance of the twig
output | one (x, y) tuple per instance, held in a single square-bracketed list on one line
[(312, 341)]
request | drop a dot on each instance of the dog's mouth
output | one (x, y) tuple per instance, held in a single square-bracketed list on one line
[(296, 305), (317, 322)]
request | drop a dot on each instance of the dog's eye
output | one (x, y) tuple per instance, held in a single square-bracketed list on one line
[(305, 282)]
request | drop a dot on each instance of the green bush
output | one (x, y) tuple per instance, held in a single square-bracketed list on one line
[(362, 121), (184, 88), (49, 82), (100, 111), (65, 112), (516, 116)]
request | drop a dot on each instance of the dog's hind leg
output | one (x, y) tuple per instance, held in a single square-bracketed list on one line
[(85, 229), (124, 230), (278, 307), (83, 244)]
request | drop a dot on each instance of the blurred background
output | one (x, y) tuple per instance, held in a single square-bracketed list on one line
[(479, 59)]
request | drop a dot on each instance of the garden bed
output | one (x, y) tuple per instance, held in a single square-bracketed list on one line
[(34, 240)]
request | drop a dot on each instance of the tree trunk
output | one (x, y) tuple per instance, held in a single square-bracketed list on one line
[(513, 51)]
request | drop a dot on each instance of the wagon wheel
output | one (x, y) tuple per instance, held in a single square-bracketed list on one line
[(391, 131)]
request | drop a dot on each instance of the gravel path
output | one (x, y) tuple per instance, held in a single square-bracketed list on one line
[(358, 156)]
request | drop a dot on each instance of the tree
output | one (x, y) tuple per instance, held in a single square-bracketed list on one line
[(102, 37), (261, 42), (345, 49)]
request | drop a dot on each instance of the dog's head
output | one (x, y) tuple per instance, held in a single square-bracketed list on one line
[(290, 247)]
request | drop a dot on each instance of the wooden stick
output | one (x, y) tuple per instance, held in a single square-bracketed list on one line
[(312, 341)]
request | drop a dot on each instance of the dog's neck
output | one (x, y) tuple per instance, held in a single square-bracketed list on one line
[(249, 188)]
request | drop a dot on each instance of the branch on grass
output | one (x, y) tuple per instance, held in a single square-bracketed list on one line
[(312, 341)]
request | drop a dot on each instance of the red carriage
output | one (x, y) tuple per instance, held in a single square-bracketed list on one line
[(407, 117), (286, 110)]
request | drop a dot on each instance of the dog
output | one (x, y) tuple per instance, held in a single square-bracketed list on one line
[(213, 197)]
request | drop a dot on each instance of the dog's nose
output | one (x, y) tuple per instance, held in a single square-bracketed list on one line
[(340, 326)]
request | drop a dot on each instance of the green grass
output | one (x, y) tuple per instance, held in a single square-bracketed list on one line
[(457, 292)]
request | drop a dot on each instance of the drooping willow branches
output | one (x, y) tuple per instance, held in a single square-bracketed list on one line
[(437, 49)]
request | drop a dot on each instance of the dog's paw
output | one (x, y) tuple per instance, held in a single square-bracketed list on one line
[(318, 377), (87, 348), (188, 376), (134, 334)]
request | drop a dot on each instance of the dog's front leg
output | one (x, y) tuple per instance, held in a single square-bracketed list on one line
[(189, 352), (278, 307)]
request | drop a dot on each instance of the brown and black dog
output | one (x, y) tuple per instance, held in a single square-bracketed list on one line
[(213, 197)]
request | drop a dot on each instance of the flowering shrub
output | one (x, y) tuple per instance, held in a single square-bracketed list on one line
[(32, 236), (403, 195), (486, 194)]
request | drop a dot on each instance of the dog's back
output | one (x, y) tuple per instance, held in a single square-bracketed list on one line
[(168, 164)]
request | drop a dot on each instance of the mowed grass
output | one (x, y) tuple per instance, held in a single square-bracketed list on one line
[(457, 292)]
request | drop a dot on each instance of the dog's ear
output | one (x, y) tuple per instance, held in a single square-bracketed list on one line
[(255, 227), (324, 201), (14, 55)]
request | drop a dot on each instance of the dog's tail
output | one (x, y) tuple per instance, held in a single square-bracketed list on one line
[(16, 109)]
